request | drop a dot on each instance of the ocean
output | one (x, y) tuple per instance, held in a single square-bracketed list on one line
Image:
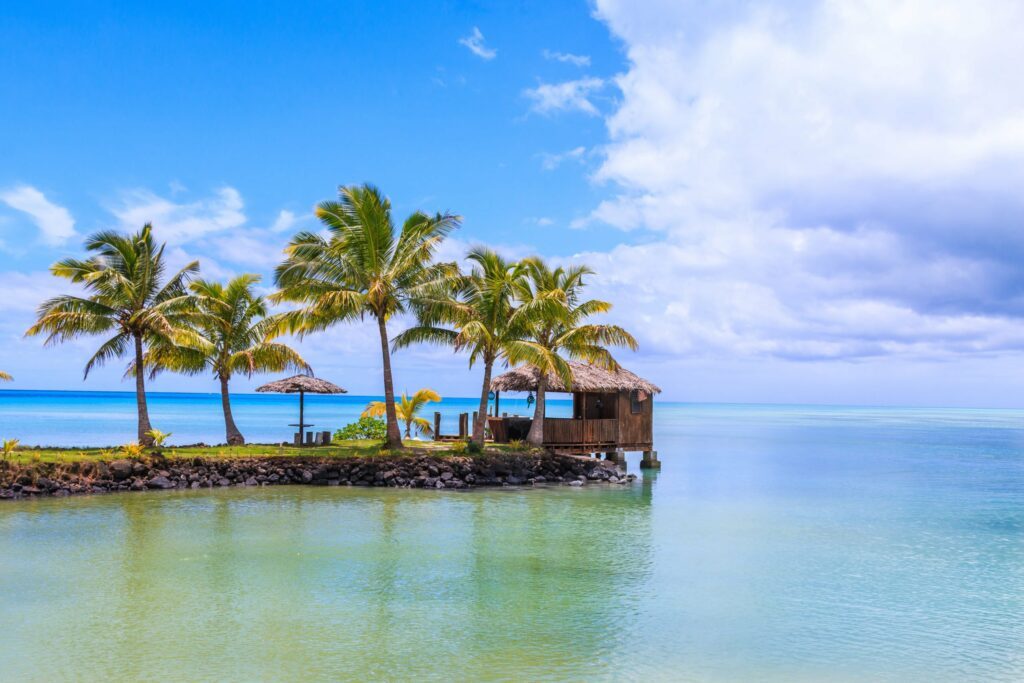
[(103, 419), (777, 543)]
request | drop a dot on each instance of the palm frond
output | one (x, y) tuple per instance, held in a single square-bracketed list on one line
[(424, 334)]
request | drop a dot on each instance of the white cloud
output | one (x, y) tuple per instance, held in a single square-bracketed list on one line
[(566, 58), (552, 161), (548, 98), (177, 257), (179, 223), (23, 292), (823, 180), (455, 249), (54, 222), (285, 220), (475, 43), (258, 249)]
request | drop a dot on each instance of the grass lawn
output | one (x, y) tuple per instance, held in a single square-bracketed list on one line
[(339, 449)]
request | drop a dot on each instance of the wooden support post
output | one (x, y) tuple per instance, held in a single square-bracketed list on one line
[(617, 456), (463, 425), (437, 426), (650, 461)]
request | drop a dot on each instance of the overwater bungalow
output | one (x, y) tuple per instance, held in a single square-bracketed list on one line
[(613, 412)]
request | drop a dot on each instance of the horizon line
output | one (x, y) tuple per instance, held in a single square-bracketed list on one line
[(477, 398)]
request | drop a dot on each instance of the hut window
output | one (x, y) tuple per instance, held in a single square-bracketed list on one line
[(634, 402)]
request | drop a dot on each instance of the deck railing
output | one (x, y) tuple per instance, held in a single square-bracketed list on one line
[(560, 431)]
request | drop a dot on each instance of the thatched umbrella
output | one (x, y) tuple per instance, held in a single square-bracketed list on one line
[(301, 385)]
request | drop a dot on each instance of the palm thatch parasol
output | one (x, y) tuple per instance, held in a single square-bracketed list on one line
[(301, 385)]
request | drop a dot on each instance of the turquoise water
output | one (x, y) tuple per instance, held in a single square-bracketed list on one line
[(777, 544)]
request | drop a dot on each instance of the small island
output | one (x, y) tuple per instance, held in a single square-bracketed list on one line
[(363, 267)]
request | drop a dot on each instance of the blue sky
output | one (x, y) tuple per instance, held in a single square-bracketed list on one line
[(786, 201), (285, 101)]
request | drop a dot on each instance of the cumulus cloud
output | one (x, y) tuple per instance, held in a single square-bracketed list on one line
[(181, 222), (475, 43), (549, 98), (566, 58), (54, 222), (820, 179)]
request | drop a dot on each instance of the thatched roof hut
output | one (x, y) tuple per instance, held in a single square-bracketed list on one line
[(585, 377), (301, 384)]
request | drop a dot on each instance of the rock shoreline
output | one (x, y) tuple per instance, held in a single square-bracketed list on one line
[(411, 471)]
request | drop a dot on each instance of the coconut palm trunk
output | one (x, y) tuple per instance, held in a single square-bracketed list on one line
[(394, 437), (140, 395), (234, 436), (481, 415), (536, 434)]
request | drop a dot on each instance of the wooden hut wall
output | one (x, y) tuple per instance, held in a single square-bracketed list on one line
[(595, 406), (635, 429)]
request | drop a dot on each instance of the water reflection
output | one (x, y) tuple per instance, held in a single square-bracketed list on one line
[(329, 583)]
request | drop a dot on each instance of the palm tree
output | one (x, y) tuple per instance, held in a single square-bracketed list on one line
[(232, 334), (407, 410), (551, 309), (128, 296), (471, 312), (363, 267)]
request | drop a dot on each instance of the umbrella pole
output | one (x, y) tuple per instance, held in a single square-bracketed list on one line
[(302, 421)]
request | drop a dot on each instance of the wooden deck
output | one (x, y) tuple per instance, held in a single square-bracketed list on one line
[(580, 433), (576, 435)]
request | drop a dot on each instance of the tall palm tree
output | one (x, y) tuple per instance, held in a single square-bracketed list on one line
[(471, 312), (557, 319), (407, 410), (232, 333), (363, 267), (128, 296)]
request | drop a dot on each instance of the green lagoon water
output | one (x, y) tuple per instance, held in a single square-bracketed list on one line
[(777, 544)]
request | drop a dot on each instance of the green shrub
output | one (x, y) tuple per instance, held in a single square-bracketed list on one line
[(457, 447), (159, 438), (474, 447), (10, 445), (373, 428)]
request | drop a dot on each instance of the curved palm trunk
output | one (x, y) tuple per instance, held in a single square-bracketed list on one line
[(235, 437), (394, 437), (536, 435), (140, 395), (481, 415)]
